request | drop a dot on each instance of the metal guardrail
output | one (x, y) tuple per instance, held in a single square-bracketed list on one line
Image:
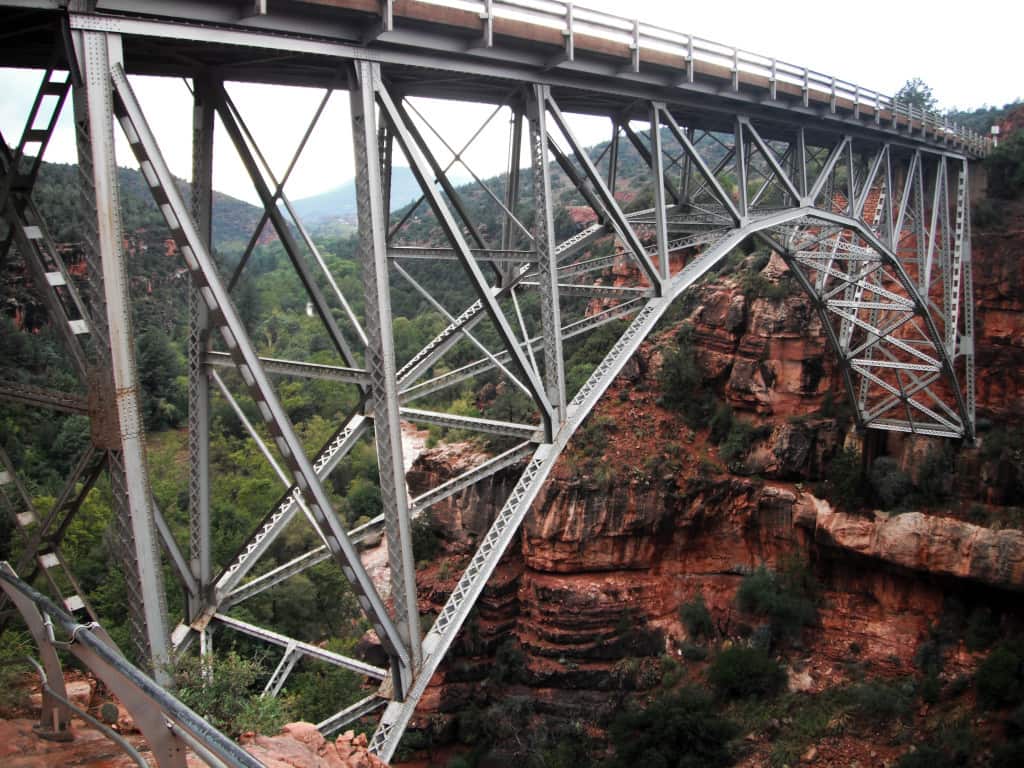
[(167, 724), (697, 55)]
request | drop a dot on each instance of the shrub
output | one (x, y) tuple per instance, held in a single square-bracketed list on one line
[(15, 647), (223, 690), (935, 476), (889, 483), (1000, 677), (953, 748), (982, 629), (880, 702), (737, 443), (1007, 755), (986, 215), (930, 688), (787, 599), (1005, 166), (509, 663), (721, 423), (697, 619), (845, 485), (319, 689), (426, 537), (679, 729), (927, 756), (741, 672), (693, 652), (682, 382)]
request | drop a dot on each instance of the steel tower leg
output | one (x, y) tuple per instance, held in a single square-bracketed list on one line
[(658, 165), (380, 361), (129, 475), (547, 264), (198, 340)]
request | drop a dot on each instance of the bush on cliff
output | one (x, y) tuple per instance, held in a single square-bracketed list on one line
[(845, 486), (1005, 167), (787, 598), (890, 484), (682, 382), (740, 672), (679, 729), (1000, 677), (697, 619)]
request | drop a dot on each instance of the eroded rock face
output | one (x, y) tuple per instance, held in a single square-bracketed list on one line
[(769, 352), (999, 318), (920, 542), (602, 568)]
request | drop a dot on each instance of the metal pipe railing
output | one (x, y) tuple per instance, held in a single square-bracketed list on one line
[(572, 21), (87, 644)]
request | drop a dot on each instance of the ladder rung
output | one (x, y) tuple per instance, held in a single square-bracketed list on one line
[(78, 327), (35, 135), (53, 88), (5, 477), (25, 519), (33, 232), (49, 560), (74, 603), (55, 278)]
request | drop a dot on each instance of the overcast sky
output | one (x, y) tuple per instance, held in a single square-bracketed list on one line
[(968, 58)]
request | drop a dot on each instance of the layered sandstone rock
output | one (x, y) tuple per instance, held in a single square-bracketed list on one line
[(919, 542)]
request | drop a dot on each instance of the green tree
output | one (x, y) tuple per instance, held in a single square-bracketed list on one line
[(917, 93), (160, 374)]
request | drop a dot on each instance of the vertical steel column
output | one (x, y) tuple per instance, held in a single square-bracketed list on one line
[(613, 156), (686, 172), (851, 189), (547, 263), (129, 475), (198, 340), (386, 145), (660, 218), (380, 360), (967, 342), (741, 169), (889, 201), (511, 192), (800, 164), (920, 232)]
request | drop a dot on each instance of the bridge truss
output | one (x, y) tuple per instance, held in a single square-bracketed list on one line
[(865, 200)]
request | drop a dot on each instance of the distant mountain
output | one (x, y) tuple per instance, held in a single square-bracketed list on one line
[(340, 202)]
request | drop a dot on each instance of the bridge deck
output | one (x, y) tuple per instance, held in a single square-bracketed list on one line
[(592, 60)]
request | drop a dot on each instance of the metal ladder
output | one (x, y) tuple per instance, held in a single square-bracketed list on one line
[(42, 552)]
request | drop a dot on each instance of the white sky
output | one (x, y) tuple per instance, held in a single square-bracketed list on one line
[(968, 58)]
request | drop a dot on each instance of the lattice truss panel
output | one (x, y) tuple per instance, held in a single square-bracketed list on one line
[(875, 231)]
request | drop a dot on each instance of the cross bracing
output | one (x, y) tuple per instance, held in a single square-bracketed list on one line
[(866, 203)]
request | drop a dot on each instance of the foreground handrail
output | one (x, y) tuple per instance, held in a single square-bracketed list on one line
[(157, 713)]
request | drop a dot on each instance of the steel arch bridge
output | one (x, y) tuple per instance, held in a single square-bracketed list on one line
[(866, 199)]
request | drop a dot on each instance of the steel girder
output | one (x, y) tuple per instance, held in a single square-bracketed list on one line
[(878, 234)]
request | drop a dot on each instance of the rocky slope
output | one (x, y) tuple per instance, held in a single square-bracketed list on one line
[(589, 600)]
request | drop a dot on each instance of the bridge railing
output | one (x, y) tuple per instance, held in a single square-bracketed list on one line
[(695, 55)]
